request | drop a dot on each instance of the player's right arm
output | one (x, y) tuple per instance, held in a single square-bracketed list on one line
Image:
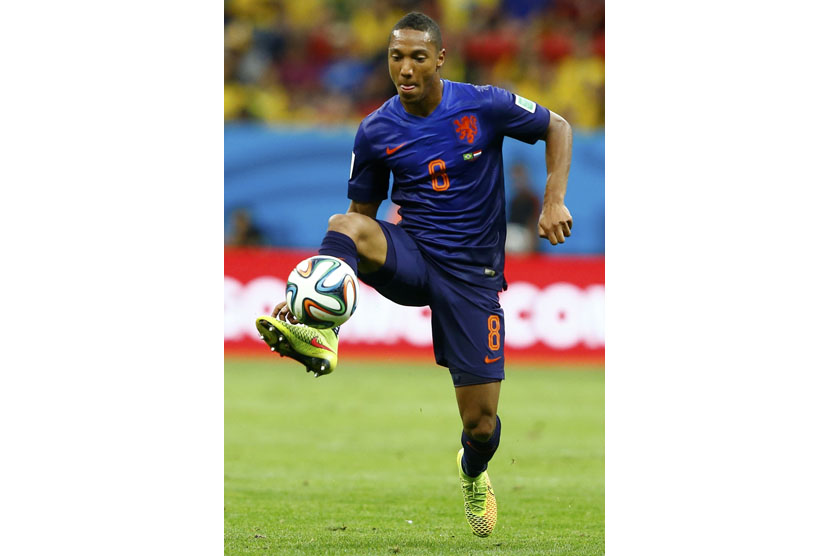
[(369, 209), (369, 174)]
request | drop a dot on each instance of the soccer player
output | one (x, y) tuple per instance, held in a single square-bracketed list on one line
[(442, 142)]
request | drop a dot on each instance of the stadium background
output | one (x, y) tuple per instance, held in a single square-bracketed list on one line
[(299, 76)]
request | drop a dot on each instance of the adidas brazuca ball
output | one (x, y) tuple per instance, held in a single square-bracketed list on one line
[(322, 291)]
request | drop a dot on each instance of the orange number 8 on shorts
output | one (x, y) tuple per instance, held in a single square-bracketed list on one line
[(494, 326)]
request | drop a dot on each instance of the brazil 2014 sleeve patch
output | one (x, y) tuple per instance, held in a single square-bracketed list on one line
[(528, 105)]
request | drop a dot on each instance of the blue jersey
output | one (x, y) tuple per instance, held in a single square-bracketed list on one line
[(448, 173)]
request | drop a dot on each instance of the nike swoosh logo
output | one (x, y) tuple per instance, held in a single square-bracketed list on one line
[(488, 360), (390, 151), (316, 343)]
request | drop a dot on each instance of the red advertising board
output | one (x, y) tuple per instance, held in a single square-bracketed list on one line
[(554, 308)]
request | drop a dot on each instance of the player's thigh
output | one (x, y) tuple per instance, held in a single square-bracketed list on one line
[(467, 330), (403, 276)]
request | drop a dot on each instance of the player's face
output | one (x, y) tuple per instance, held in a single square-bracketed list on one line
[(413, 65)]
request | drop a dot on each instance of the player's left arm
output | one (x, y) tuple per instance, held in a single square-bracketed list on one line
[(555, 221)]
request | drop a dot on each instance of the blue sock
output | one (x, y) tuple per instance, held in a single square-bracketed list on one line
[(477, 454), (341, 246)]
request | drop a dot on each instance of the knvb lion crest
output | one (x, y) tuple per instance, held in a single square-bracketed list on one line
[(467, 128)]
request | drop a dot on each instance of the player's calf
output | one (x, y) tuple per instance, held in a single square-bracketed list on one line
[(477, 453)]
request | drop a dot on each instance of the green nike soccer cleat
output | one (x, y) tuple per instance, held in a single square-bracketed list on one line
[(314, 348), (479, 501)]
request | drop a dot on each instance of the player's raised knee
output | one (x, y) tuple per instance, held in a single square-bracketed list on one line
[(339, 223), (350, 224)]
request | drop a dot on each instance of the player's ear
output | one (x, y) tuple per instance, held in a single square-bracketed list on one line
[(440, 58)]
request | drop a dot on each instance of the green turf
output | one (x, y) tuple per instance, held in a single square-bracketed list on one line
[(363, 461)]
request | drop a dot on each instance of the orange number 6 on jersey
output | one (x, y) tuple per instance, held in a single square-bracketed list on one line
[(438, 168), (494, 325)]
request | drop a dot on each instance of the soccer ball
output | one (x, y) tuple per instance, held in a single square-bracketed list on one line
[(322, 292)]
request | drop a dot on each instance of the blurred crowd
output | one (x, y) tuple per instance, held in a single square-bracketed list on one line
[(323, 62)]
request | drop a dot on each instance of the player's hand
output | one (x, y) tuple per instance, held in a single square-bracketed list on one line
[(555, 223), (282, 312)]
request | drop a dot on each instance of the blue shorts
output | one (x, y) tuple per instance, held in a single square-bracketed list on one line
[(467, 321)]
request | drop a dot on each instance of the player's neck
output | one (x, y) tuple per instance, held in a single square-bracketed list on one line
[(428, 104)]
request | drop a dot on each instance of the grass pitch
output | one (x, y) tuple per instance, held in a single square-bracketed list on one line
[(363, 461)]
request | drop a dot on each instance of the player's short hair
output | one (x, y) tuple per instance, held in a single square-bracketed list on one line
[(420, 22)]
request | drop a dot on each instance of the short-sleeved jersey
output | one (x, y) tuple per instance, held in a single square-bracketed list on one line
[(448, 173)]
